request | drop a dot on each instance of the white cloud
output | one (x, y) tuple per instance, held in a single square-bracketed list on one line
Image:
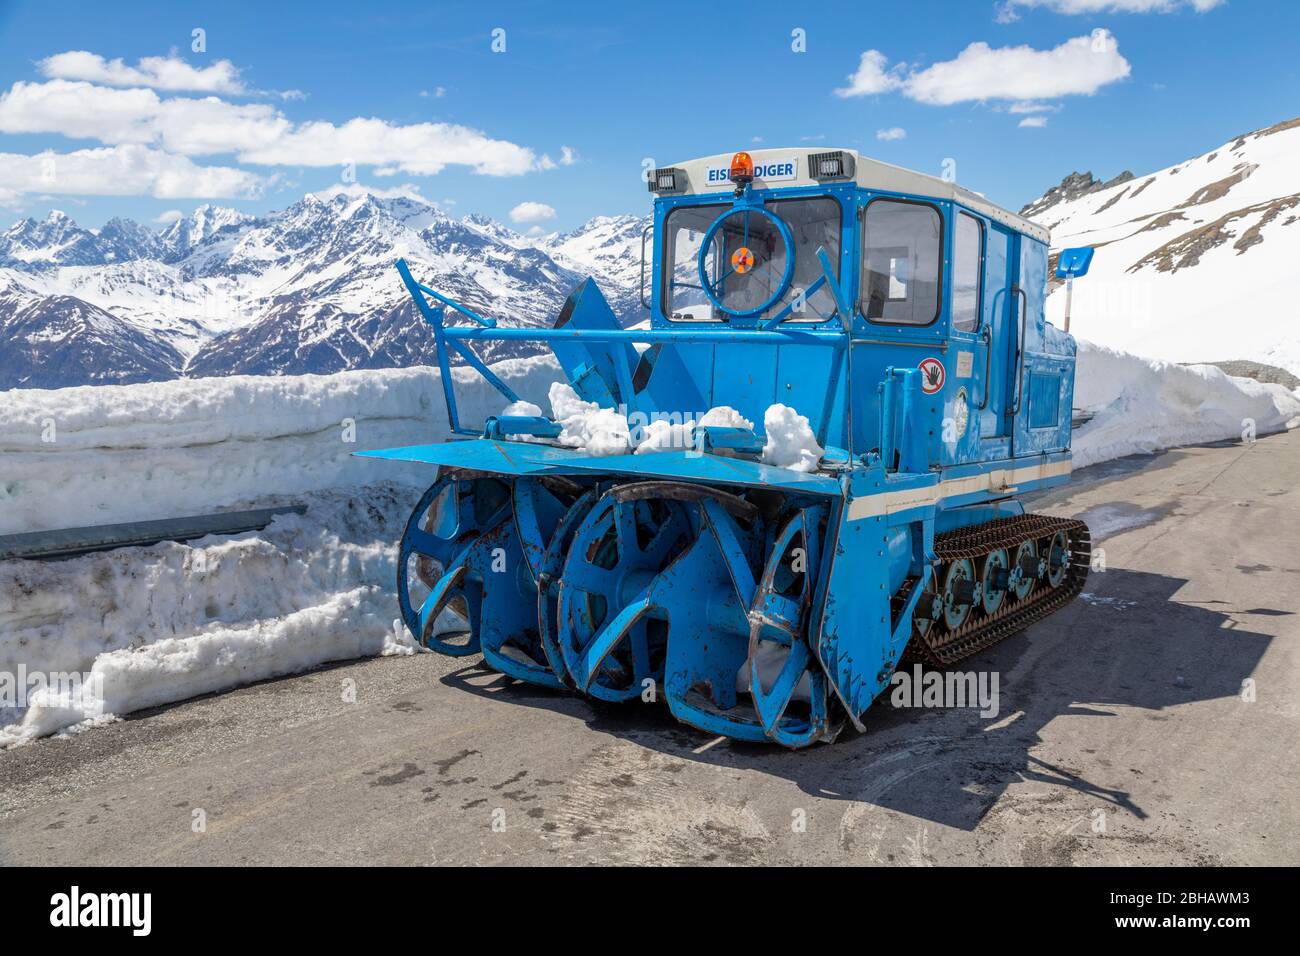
[(1079, 66), (1007, 11), (159, 72), (871, 77), (567, 156), (891, 134), (126, 170), (168, 216), (421, 149), (356, 190), (1033, 122), (253, 132), (438, 93), (1032, 108), (532, 212)]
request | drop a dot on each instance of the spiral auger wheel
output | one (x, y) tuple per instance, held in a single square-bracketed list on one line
[(548, 576), (789, 689), (449, 529), (609, 635), (996, 579), (468, 567)]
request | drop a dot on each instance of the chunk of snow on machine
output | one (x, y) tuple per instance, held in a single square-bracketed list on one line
[(886, 328)]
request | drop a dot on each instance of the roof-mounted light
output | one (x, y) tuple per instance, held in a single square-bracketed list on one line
[(836, 165), (667, 180), (742, 169)]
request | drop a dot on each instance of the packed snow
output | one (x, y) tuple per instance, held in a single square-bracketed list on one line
[(141, 627), (148, 626), (586, 425), (99, 455), (1142, 405)]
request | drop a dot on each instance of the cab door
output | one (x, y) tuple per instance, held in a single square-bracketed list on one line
[(998, 343)]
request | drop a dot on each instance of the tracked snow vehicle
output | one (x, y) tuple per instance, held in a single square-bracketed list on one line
[(902, 316)]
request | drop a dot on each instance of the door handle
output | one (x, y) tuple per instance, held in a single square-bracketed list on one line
[(988, 365), (1020, 351), (645, 234)]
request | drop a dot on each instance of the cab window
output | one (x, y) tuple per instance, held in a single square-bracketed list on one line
[(813, 222), (902, 251), (967, 271)]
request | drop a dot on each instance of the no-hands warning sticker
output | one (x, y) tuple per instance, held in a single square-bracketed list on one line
[(932, 375)]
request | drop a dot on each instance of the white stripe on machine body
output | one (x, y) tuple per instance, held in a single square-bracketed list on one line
[(998, 481)]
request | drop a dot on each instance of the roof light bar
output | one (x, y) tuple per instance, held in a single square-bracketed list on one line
[(835, 165), (667, 180)]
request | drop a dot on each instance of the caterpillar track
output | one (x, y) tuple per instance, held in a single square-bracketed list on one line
[(959, 616)]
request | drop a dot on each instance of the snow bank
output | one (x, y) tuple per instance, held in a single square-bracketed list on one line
[(98, 455), (1143, 405), (147, 626)]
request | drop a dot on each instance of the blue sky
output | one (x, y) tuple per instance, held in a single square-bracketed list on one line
[(583, 93)]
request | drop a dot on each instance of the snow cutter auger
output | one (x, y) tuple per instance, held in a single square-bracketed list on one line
[(762, 572)]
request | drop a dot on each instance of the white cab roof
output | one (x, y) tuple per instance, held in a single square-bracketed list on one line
[(785, 168)]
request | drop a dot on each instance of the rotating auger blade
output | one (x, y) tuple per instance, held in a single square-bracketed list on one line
[(786, 683), (609, 640), (477, 546)]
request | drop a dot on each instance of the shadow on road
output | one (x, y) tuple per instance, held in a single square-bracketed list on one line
[(1125, 643)]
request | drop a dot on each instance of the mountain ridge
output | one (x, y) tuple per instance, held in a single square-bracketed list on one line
[(309, 289)]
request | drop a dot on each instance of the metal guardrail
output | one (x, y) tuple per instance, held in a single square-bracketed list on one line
[(71, 542)]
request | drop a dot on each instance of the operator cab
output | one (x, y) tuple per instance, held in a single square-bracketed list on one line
[(737, 239), (922, 272)]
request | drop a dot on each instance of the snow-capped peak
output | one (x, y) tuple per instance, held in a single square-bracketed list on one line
[(1194, 262), (199, 226)]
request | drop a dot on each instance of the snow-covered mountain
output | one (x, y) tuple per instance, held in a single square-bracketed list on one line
[(59, 338), (311, 289), (1194, 263), (608, 247)]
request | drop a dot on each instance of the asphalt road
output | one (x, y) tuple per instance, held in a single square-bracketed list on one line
[(1123, 736)]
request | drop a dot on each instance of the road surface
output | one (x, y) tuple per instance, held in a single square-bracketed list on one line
[(1125, 735)]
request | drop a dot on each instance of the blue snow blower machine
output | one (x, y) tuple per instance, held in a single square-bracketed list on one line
[(903, 317)]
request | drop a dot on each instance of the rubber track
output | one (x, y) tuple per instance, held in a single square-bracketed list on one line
[(942, 648)]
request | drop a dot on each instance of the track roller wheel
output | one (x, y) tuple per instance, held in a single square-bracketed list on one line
[(995, 571), (1024, 570), (1057, 555), (960, 592), (929, 607)]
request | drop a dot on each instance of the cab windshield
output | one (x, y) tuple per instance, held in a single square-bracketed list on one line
[(747, 260)]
